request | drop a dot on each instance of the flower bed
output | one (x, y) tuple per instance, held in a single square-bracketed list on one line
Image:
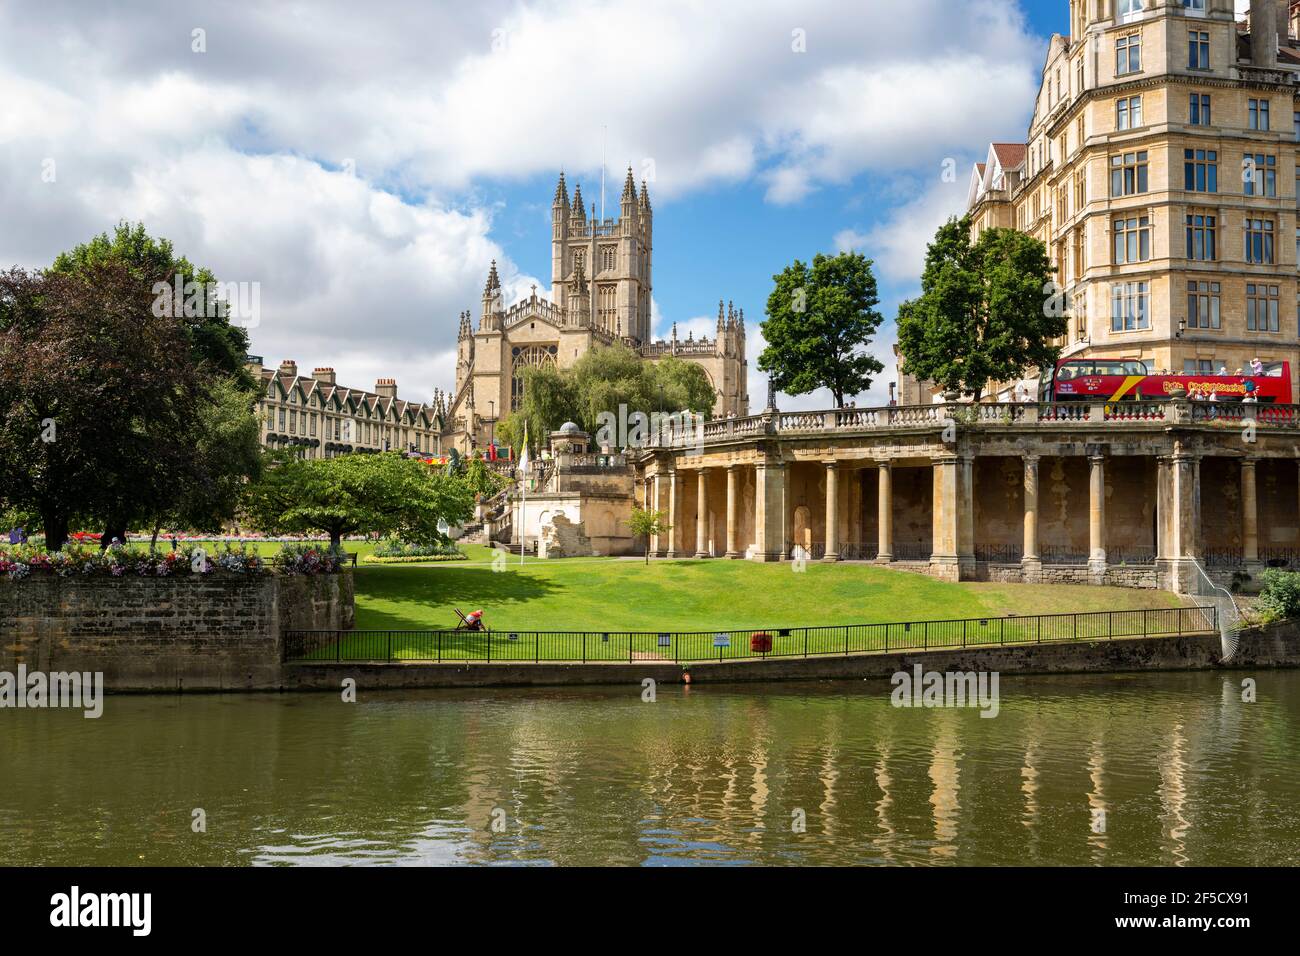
[(84, 560), (393, 549), (413, 558)]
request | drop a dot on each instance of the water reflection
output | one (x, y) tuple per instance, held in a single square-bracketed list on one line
[(1185, 772)]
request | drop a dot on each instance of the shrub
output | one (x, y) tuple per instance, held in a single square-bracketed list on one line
[(394, 548), (1280, 596)]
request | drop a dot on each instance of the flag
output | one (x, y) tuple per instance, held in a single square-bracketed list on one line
[(523, 455)]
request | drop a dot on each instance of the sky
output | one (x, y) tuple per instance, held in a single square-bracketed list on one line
[(362, 164)]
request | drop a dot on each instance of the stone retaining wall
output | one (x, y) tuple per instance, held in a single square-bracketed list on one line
[(222, 632), (1274, 646)]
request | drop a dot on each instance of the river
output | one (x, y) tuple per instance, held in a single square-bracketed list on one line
[(1139, 769)]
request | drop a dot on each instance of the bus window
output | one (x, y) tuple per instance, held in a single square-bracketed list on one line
[(1273, 369)]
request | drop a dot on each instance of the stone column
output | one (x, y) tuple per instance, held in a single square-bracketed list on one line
[(769, 511), (674, 511), (1031, 563), (702, 513), (654, 498), (733, 511), (1249, 514), (944, 525), (966, 516), (832, 512), (1097, 515), (1165, 508), (884, 514)]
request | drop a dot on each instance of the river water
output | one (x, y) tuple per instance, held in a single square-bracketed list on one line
[(1180, 768)]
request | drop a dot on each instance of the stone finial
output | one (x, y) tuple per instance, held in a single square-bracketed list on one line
[(579, 211), (493, 281), (645, 197), (629, 187), (561, 192)]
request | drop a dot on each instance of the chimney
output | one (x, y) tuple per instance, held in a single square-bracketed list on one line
[(386, 388), (1283, 24), (289, 367), (325, 375), (1263, 33)]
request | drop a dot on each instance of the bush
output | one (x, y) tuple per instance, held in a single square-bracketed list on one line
[(1280, 596), (393, 548)]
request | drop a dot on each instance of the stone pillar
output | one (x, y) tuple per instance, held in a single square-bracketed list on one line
[(769, 511), (702, 513), (1180, 525), (944, 530), (1249, 514), (1031, 562), (832, 512), (733, 511), (656, 540), (1166, 509), (674, 511), (966, 516), (1097, 515), (884, 514)]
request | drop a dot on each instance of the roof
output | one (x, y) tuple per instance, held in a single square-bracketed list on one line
[(1010, 155), (344, 395)]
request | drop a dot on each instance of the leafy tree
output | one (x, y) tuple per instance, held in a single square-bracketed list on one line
[(550, 399), (983, 314), (820, 320), (213, 341), (386, 493), (645, 522), (104, 406)]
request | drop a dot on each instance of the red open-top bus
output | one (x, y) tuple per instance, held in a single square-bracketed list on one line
[(1119, 380)]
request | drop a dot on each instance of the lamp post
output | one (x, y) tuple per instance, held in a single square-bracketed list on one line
[(492, 423)]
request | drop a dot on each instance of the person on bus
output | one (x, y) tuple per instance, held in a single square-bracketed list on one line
[(1214, 396), (1223, 368), (1256, 366)]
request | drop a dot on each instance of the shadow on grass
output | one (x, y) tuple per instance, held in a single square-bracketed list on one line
[(413, 598)]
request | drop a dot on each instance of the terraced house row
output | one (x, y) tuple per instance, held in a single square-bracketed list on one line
[(1160, 170), (325, 419)]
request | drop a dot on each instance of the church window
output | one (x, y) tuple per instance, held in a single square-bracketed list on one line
[(526, 357), (608, 258)]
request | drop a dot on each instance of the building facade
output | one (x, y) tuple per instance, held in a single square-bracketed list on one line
[(600, 295), (324, 419), (1160, 171)]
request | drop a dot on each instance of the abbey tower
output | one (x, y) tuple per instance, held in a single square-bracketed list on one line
[(600, 295)]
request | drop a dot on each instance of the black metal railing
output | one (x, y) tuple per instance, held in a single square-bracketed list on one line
[(1062, 554), (911, 551), (999, 553), (737, 644)]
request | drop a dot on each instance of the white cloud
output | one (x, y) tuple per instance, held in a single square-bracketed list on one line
[(897, 245), (234, 153)]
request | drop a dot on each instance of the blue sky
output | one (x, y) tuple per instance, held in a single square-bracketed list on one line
[(364, 167)]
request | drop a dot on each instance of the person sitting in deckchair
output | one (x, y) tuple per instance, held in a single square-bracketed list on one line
[(470, 622)]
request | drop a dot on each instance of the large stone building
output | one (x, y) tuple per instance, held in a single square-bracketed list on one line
[(324, 419), (1160, 171), (600, 295)]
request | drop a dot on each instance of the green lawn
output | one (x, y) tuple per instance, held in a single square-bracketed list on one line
[(612, 595)]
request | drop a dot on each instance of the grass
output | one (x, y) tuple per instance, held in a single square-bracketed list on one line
[(614, 595)]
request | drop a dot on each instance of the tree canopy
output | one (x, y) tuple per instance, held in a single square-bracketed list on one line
[(385, 493), (601, 381), (820, 320), (987, 310), (116, 414)]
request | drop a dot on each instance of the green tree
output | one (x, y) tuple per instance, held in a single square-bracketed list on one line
[(387, 494), (986, 312), (820, 320), (645, 522), (213, 341), (105, 408)]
